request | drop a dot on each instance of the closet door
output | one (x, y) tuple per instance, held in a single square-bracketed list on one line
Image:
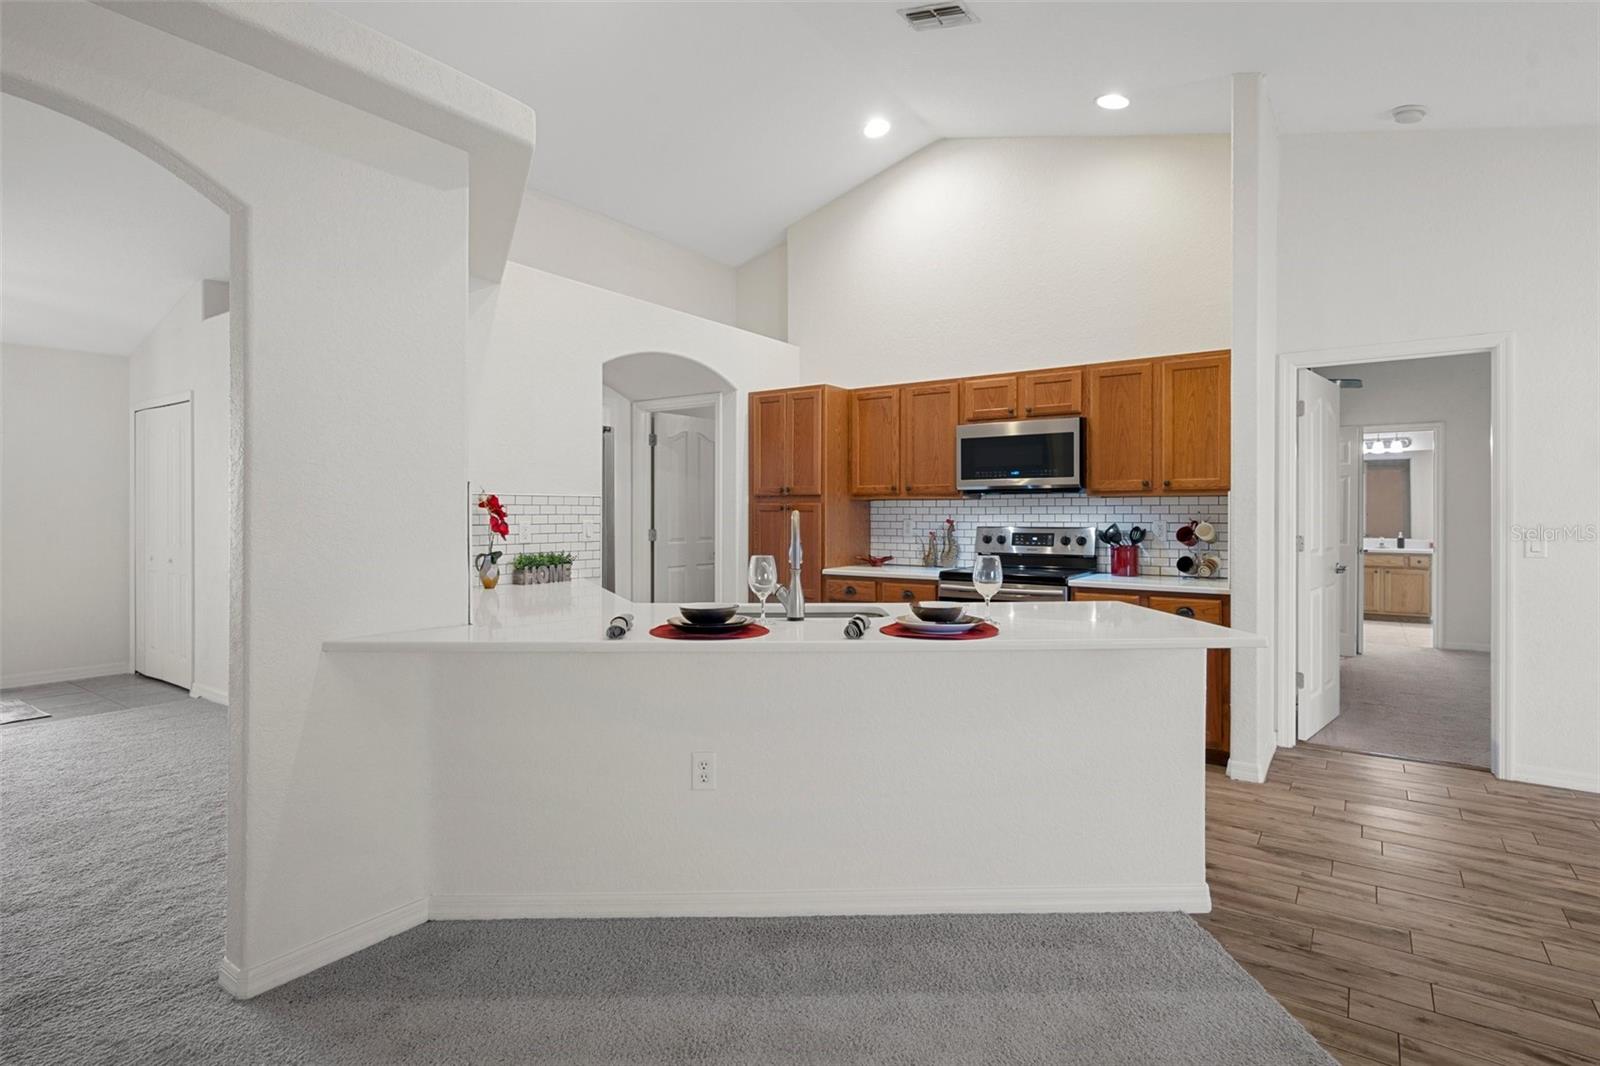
[(163, 544)]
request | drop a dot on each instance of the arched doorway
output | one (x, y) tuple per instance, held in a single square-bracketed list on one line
[(669, 494)]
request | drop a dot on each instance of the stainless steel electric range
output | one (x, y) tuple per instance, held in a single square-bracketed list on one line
[(1037, 560)]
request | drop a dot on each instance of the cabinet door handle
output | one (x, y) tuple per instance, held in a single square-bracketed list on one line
[(1144, 484), (1185, 612), (1166, 484), (1027, 410), (1011, 410)]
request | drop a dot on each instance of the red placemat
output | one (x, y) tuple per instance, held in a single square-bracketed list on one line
[(672, 632), (981, 631)]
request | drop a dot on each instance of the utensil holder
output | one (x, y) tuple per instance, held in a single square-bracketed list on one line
[(1125, 560)]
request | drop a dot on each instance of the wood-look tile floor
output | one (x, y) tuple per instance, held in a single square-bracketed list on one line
[(1413, 914)]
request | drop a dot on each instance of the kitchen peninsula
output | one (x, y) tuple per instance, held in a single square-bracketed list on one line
[(1056, 767)]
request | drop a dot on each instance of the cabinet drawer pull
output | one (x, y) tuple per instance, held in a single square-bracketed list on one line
[(849, 590), (1185, 612), (905, 594)]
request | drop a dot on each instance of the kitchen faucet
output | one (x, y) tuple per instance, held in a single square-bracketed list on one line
[(793, 598)]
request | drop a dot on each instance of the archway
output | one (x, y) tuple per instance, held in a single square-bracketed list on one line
[(667, 417)]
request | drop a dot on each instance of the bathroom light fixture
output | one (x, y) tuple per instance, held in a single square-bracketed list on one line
[(1112, 101), (876, 127), (1409, 114)]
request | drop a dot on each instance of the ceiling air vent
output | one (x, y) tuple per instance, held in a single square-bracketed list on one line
[(937, 16)]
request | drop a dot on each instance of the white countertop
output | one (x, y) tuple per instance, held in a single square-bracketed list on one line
[(1398, 551), (572, 616), (1198, 586), (887, 572)]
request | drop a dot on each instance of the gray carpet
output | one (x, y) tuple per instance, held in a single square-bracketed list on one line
[(111, 872), (1403, 697)]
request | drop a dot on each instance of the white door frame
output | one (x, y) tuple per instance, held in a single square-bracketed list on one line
[(1436, 586), (639, 485), (1501, 685), (169, 400)]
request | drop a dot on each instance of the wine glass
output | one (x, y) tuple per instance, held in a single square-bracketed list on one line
[(986, 578), (763, 579)]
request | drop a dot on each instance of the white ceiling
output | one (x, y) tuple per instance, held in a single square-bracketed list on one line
[(716, 125), (100, 242)]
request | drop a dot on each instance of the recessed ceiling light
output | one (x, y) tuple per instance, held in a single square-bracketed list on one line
[(1409, 114), (876, 127), (1112, 101)]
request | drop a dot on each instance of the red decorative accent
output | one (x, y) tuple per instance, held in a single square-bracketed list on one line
[(672, 632), (1125, 560), (981, 631)]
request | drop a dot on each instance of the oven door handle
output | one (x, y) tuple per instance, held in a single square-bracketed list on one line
[(1013, 593)]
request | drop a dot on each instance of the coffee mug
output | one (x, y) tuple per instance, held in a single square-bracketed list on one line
[(1205, 531), (1186, 536), (1185, 564), (1208, 566)]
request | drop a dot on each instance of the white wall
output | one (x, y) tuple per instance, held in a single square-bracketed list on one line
[(764, 294), (63, 515), (1015, 252), (189, 352), (1455, 392), (561, 238), (350, 236), (536, 385), (1407, 236)]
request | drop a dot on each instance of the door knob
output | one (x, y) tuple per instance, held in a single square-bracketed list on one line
[(1339, 568)]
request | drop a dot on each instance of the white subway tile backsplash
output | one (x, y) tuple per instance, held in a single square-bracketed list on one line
[(900, 527), (540, 524)]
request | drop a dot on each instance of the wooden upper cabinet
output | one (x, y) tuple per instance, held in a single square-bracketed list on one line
[(1192, 423), (805, 442), (928, 417), (989, 399), (875, 442), (786, 442), (769, 443), (1051, 393), (1119, 428)]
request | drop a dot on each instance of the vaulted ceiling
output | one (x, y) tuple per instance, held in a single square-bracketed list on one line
[(716, 125)]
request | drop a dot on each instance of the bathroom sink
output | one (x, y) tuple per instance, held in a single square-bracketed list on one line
[(816, 610)]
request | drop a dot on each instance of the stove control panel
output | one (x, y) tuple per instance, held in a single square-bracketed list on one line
[(1036, 540)]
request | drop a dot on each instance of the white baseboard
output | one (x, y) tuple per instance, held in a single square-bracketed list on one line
[(254, 980), (1543, 775), (1251, 771), (206, 692), (69, 673), (1452, 645), (1193, 898)]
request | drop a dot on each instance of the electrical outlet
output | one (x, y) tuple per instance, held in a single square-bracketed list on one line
[(703, 770)]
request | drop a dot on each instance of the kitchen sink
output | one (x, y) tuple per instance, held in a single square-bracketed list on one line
[(815, 610)]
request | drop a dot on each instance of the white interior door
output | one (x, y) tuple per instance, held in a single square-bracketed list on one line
[(1317, 529), (1349, 475), (685, 457), (163, 518)]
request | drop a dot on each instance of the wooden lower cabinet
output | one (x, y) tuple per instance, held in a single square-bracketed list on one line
[(1397, 587), (868, 590), (1219, 661), (769, 535)]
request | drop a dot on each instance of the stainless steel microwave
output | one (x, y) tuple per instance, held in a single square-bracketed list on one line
[(1032, 455)]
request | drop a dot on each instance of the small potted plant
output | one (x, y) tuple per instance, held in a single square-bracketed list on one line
[(522, 569), (488, 563)]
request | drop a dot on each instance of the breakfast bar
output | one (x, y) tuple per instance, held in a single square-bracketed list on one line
[(1057, 766)]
